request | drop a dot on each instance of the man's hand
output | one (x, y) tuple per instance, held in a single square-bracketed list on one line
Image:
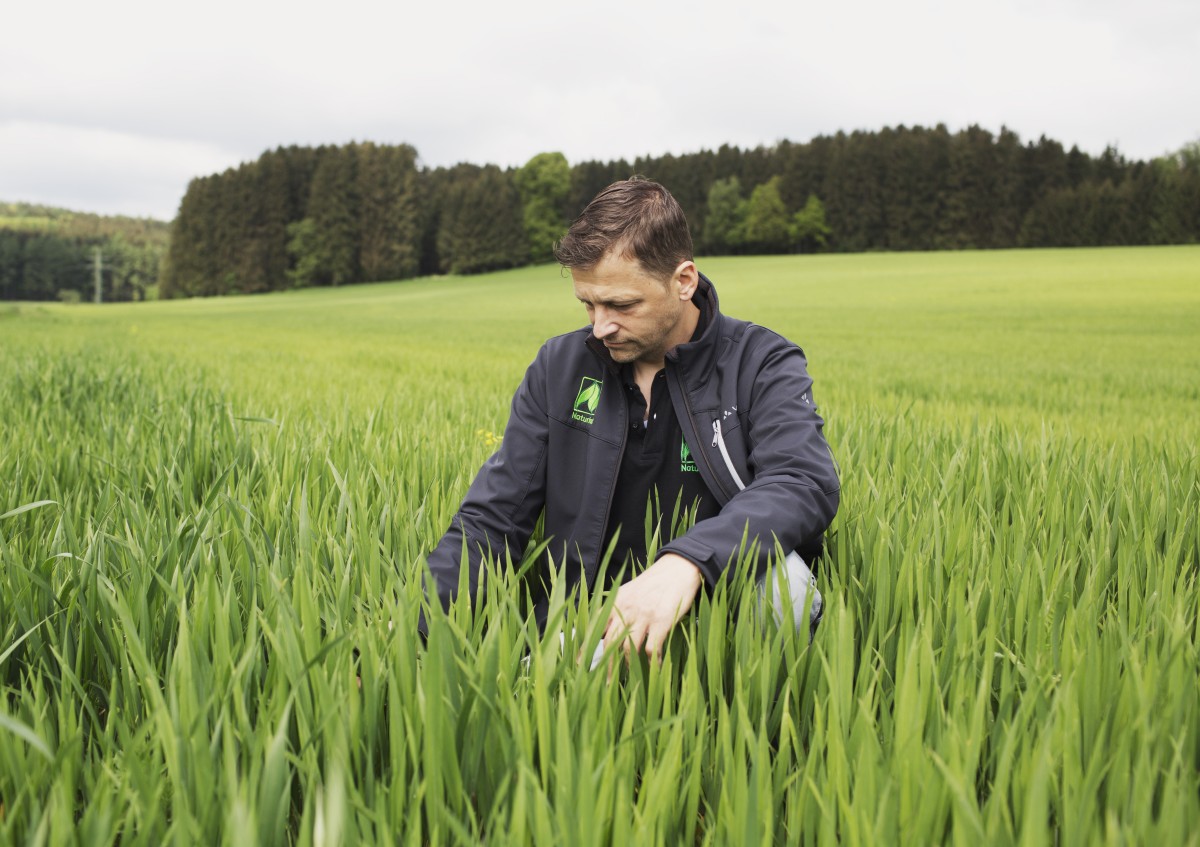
[(651, 603)]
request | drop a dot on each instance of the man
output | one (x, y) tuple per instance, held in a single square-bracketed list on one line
[(662, 400)]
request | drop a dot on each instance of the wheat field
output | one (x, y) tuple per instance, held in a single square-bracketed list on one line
[(213, 515)]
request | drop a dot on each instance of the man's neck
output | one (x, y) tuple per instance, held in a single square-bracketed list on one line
[(645, 369)]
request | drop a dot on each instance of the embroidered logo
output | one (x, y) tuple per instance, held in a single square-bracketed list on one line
[(587, 400), (686, 463)]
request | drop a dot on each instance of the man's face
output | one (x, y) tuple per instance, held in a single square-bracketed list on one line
[(638, 316)]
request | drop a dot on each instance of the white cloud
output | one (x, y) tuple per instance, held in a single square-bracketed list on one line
[(195, 89), (101, 170)]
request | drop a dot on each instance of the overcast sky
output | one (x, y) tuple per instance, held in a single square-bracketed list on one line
[(114, 106)]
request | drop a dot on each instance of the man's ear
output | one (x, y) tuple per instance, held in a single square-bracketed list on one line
[(688, 278)]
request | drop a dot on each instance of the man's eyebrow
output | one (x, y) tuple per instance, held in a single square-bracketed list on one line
[(611, 301)]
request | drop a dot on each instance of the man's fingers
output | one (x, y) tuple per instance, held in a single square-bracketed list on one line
[(654, 641), (629, 637), (615, 629), (633, 641), (619, 635), (650, 604)]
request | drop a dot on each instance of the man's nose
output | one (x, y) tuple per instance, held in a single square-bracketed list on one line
[(602, 324)]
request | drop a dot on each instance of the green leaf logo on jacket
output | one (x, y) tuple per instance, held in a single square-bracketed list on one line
[(686, 463), (587, 400)]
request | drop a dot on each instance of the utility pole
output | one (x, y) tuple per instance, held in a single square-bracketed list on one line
[(97, 270)]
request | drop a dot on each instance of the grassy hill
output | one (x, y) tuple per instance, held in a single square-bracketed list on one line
[(33, 217)]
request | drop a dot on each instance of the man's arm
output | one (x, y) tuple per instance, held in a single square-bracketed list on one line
[(793, 497), (794, 491), (502, 505)]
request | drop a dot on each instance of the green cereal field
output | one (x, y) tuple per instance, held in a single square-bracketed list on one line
[(213, 513)]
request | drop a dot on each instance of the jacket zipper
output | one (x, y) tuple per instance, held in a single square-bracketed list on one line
[(719, 442), (696, 434)]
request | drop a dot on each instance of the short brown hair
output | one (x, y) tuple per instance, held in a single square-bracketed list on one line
[(637, 216)]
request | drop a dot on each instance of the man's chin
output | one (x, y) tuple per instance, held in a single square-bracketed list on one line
[(622, 352)]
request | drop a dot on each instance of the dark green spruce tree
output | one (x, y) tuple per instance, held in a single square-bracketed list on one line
[(481, 223), (389, 217), (333, 207)]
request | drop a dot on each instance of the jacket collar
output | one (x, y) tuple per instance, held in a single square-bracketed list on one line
[(702, 352), (698, 352)]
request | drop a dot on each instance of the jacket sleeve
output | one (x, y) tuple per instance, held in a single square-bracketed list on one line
[(502, 506), (792, 488)]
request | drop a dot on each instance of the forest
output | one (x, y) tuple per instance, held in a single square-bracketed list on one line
[(48, 253), (366, 212)]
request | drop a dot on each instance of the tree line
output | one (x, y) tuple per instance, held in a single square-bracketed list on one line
[(48, 253), (302, 216), (364, 212)]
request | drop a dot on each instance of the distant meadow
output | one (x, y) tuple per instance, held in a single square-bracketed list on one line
[(213, 516)]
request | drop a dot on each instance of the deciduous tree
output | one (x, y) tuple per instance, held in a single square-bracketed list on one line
[(723, 220), (767, 228), (544, 183), (810, 229)]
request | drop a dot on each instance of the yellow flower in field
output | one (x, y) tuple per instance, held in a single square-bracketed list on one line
[(489, 438)]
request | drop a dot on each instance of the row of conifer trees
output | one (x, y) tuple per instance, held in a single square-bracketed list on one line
[(362, 212)]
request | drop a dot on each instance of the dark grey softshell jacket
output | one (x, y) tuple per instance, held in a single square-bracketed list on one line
[(562, 446)]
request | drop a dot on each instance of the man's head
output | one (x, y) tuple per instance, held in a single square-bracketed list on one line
[(638, 219), (630, 257)]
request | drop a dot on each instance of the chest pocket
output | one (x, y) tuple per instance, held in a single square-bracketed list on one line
[(729, 452)]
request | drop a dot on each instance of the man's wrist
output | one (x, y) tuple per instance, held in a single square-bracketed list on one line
[(705, 567), (683, 565)]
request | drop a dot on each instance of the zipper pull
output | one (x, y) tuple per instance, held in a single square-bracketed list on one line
[(716, 431)]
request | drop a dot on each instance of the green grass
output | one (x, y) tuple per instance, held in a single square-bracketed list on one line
[(210, 511)]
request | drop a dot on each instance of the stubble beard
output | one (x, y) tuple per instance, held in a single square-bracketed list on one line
[(641, 349), (627, 352), (637, 350)]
